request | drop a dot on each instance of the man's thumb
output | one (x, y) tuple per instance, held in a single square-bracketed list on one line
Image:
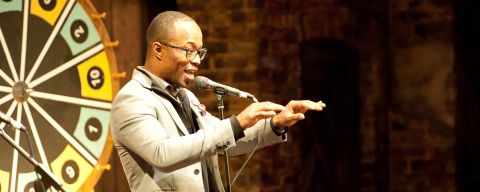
[(297, 116)]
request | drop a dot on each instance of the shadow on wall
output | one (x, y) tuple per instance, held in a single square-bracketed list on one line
[(330, 73)]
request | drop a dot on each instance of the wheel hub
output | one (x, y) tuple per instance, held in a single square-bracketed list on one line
[(20, 91)]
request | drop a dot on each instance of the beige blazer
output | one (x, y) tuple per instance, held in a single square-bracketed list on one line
[(155, 148)]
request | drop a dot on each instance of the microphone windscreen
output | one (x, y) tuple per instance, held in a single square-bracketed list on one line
[(201, 82)]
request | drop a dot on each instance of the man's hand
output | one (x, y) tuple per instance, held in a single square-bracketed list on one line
[(257, 111), (294, 111)]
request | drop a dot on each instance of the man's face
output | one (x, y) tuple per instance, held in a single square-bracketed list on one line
[(179, 70)]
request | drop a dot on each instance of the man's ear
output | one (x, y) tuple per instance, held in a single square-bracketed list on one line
[(157, 50)]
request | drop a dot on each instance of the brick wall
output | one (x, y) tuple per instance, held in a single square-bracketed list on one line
[(406, 83), (230, 34), (255, 46), (423, 96)]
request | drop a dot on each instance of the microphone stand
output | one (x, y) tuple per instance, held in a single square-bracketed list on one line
[(220, 107), (47, 177)]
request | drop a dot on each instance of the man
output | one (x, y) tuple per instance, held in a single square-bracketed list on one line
[(164, 138)]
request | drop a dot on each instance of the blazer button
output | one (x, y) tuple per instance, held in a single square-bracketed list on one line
[(196, 171)]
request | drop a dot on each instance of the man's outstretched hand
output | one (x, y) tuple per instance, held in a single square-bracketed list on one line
[(294, 111), (257, 111), (288, 116)]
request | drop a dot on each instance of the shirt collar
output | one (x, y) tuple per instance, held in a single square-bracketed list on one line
[(160, 83)]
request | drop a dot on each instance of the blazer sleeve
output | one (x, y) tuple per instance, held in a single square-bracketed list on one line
[(258, 136)]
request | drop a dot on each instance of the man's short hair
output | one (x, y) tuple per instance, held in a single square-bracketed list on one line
[(162, 28)]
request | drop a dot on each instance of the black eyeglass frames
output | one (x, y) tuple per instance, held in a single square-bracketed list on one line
[(190, 53)]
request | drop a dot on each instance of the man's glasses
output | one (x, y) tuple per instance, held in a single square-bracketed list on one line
[(191, 53)]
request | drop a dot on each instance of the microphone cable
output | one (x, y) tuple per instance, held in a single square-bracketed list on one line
[(260, 133)]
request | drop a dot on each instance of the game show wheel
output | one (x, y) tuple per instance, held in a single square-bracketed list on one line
[(57, 77)]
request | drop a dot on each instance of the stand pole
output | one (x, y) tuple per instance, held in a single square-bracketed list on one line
[(220, 107), (47, 177)]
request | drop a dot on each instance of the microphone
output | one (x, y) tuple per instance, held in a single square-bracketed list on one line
[(201, 82), (8, 120)]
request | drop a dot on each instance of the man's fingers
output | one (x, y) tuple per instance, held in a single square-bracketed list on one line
[(316, 105), (295, 117), (298, 116), (265, 114), (269, 106), (322, 104), (305, 105), (267, 110), (289, 115), (313, 105)]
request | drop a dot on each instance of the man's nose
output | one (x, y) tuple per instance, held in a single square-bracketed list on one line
[(196, 60)]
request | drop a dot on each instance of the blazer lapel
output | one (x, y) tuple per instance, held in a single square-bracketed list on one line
[(171, 110), (145, 80)]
